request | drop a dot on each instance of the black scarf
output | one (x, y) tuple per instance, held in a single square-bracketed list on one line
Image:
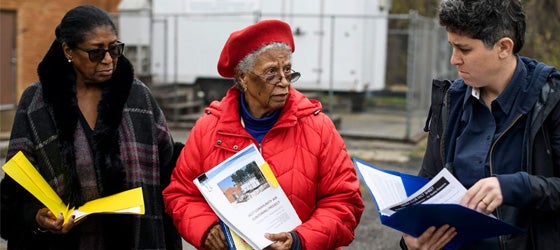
[(58, 80)]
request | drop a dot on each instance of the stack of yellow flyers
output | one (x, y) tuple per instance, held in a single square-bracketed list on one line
[(23, 172)]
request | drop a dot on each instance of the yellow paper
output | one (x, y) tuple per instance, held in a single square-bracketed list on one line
[(23, 172), (130, 201), (240, 244), (269, 175)]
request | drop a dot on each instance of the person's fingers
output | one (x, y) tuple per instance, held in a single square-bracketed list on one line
[(409, 241), (490, 202), (483, 207), (484, 196), (475, 195), (50, 215), (435, 237), (220, 241), (421, 242), (427, 235), (281, 240), (490, 207), (277, 237), (445, 238), (47, 221), (57, 225), (211, 243), (432, 238), (468, 198), (215, 238), (68, 225), (221, 233)]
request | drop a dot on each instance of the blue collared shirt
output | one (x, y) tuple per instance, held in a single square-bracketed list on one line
[(491, 140)]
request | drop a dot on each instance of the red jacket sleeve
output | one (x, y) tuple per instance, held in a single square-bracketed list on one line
[(339, 201)]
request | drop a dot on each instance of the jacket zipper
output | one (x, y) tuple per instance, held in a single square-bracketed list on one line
[(500, 238), (443, 127)]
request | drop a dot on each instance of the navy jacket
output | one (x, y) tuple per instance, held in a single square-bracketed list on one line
[(539, 214)]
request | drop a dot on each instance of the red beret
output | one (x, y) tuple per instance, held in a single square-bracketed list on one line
[(245, 41)]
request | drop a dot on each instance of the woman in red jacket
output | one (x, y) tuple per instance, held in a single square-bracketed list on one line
[(301, 145)]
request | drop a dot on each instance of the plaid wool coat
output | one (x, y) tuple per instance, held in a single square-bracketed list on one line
[(130, 146)]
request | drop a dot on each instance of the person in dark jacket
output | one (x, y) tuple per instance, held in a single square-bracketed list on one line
[(91, 130), (497, 128)]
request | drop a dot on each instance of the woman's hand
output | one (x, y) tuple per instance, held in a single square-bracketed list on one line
[(281, 241), (431, 239), (484, 196), (215, 240), (47, 221)]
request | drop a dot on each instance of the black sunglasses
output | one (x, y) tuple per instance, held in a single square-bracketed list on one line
[(97, 55)]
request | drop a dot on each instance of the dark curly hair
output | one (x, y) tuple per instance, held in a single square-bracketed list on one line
[(486, 20), (79, 21)]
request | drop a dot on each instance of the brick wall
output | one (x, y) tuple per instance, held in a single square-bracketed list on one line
[(36, 21)]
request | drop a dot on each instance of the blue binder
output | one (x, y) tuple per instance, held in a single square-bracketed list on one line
[(228, 236), (415, 219)]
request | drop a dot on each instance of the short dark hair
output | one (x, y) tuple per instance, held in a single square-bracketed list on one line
[(80, 20), (486, 20)]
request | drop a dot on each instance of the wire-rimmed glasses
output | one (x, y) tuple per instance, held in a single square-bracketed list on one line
[(275, 78)]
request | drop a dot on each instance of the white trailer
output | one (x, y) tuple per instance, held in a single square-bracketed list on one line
[(340, 45)]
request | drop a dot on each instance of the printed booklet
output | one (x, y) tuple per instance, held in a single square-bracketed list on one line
[(244, 193)]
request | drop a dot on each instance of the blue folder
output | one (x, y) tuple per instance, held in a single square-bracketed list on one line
[(227, 234), (415, 219)]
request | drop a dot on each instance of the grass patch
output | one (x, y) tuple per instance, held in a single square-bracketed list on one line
[(381, 101)]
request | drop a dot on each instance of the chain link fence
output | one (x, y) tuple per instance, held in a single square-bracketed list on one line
[(416, 52)]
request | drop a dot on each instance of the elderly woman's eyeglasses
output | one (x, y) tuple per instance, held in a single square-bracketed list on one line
[(97, 55), (275, 78)]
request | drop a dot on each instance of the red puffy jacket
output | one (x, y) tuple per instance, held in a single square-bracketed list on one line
[(306, 154)]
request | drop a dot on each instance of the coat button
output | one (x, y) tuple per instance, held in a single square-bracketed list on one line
[(235, 147), (219, 142)]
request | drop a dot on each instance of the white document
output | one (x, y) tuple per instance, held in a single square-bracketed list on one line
[(432, 202), (387, 188), (390, 195), (245, 195), (444, 188)]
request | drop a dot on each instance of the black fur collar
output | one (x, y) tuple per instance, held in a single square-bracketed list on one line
[(58, 80)]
